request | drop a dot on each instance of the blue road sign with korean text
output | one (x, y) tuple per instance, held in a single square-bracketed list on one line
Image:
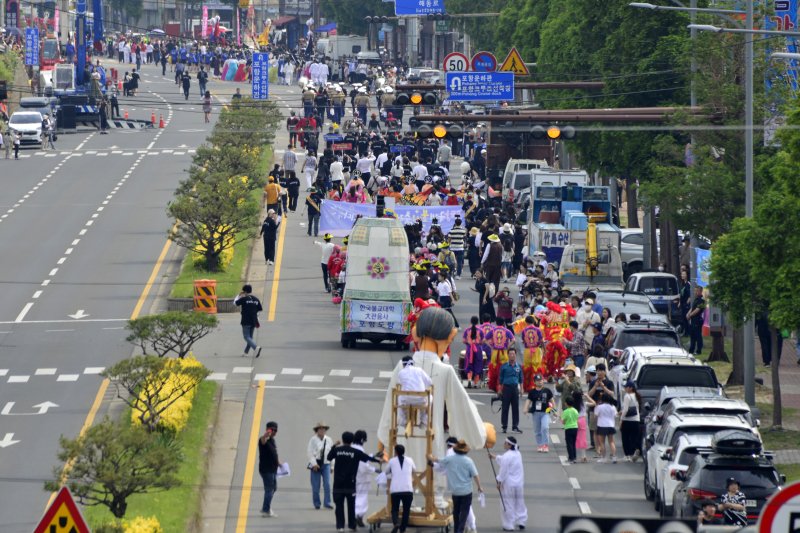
[(260, 76), (31, 46), (486, 86), (418, 7)]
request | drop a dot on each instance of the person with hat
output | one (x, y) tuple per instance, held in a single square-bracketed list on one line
[(510, 483), (630, 422), (319, 465), (733, 504), (327, 249), (568, 384), (272, 193), (314, 205), (586, 317), (461, 472), (539, 404), (491, 260), (447, 257), (347, 460)]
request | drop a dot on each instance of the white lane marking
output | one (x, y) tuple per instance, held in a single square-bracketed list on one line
[(45, 372), (3, 372), (264, 377), (71, 321), (24, 312), (93, 370), (100, 208), (341, 373), (61, 261), (45, 283), (324, 388), (242, 369), (18, 379), (90, 222), (95, 215), (313, 378), (217, 376), (292, 371), (57, 330), (37, 294), (385, 374), (69, 251), (53, 272), (574, 482), (75, 242), (555, 439), (564, 459), (150, 146), (68, 377), (82, 232), (584, 507), (364, 380), (117, 327)]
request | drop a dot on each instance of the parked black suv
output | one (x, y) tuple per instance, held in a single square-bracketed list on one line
[(734, 454)]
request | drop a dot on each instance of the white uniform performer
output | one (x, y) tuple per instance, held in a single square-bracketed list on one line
[(511, 479), (434, 330), (364, 477), (412, 379)]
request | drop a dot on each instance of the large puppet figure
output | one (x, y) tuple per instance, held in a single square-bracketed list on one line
[(500, 341), (532, 360), (433, 332)]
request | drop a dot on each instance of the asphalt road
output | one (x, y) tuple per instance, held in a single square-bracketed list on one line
[(82, 228), (303, 365)]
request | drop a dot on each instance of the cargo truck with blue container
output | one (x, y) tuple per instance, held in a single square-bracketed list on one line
[(573, 226)]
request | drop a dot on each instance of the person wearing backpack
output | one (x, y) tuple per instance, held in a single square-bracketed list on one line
[(446, 256)]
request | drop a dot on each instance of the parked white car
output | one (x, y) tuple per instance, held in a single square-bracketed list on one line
[(677, 459), (28, 124)]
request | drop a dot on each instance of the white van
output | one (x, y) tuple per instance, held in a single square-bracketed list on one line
[(377, 298)]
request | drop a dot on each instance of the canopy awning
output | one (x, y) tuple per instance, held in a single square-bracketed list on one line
[(283, 21), (327, 28)]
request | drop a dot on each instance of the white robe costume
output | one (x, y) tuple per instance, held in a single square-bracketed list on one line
[(364, 477), (463, 419), (512, 478)]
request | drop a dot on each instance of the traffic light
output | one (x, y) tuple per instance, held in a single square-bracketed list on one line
[(553, 132), (437, 16), (376, 20), (448, 130), (416, 98)]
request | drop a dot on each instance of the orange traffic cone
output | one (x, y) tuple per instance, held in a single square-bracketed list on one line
[(153, 118), (125, 114), (161, 121)]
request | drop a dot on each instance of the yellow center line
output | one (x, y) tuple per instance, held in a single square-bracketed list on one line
[(273, 299), (98, 398), (249, 468)]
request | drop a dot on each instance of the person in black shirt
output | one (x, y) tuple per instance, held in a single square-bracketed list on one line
[(707, 515), (250, 308), (268, 466), (695, 319), (344, 478), (540, 401), (293, 187)]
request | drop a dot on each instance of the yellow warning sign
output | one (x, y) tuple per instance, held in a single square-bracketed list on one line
[(513, 63), (63, 516)]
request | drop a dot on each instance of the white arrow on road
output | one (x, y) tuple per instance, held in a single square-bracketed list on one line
[(80, 314), (43, 408), (330, 399), (6, 442)]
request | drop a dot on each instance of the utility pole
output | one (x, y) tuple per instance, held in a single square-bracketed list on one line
[(749, 325)]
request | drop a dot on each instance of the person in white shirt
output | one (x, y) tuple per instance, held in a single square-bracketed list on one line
[(337, 173), (324, 72), (364, 165), (510, 481), (420, 172), (310, 168), (327, 250), (382, 158), (585, 317), (318, 464), (401, 472), (412, 379)]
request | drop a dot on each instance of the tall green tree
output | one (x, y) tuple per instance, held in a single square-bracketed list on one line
[(349, 14), (112, 462)]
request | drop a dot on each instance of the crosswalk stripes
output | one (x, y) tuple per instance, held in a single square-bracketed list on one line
[(117, 124)]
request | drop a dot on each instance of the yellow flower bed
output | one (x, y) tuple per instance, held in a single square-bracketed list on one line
[(141, 524), (176, 415)]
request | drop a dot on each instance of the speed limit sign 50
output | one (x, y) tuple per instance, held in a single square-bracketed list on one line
[(455, 62)]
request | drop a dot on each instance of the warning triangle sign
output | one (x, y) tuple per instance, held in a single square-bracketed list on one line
[(63, 516), (513, 63)]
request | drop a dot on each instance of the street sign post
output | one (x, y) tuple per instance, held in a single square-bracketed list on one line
[(480, 86), (62, 515), (513, 63), (782, 511), (418, 7), (260, 75), (31, 46), (484, 62), (455, 62)]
